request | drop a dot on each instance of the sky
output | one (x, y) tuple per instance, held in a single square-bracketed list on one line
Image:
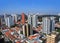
[(19, 6)]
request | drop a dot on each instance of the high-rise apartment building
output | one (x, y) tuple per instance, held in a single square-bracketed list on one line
[(26, 29), (23, 18), (30, 19), (9, 21), (30, 23), (0, 21), (46, 25), (52, 24), (34, 21), (14, 17), (59, 17)]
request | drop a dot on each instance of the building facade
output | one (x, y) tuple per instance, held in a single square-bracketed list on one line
[(34, 21), (23, 18), (30, 23), (26, 29), (51, 38), (59, 17), (52, 24), (14, 17), (46, 25), (0, 21), (9, 21)]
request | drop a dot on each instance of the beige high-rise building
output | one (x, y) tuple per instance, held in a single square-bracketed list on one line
[(26, 30), (51, 38)]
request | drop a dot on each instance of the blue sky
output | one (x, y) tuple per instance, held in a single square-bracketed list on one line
[(19, 6)]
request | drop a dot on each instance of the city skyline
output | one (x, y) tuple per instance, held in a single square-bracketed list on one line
[(30, 28), (19, 6)]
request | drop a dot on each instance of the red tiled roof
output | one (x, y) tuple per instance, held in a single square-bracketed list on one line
[(18, 42), (35, 42), (7, 34), (11, 31), (31, 37), (11, 37)]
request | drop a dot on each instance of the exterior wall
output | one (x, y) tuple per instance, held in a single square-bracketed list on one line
[(30, 23), (9, 21), (51, 38), (34, 21), (23, 18), (46, 25), (14, 17)]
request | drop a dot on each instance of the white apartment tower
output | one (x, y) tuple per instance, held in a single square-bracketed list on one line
[(14, 17), (9, 21), (46, 25), (30, 23), (30, 19), (59, 17), (34, 21), (52, 24)]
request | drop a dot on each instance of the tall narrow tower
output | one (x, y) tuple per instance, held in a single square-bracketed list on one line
[(34, 21), (26, 29), (52, 24), (30, 23), (59, 17), (9, 21), (23, 18), (0, 21), (46, 25), (14, 17)]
